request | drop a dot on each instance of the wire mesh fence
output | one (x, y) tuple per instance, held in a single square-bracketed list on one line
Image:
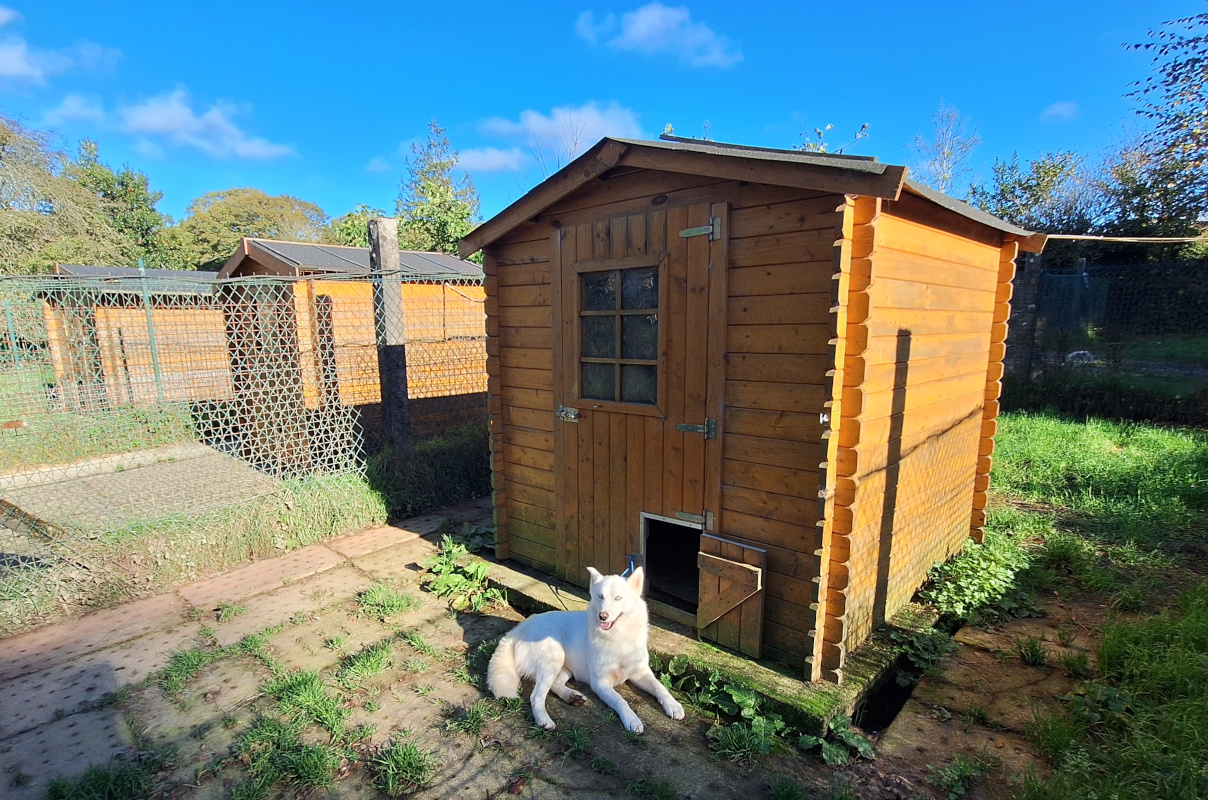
[(131, 406), (1126, 341)]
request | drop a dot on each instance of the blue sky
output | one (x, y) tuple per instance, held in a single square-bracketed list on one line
[(321, 100)]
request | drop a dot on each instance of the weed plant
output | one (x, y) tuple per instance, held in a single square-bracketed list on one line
[(416, 640), (956, 779), (301, 695), (183, 665), (403, 767), (357, 668), (1032, 651), (464, 585), (383, 601), (661, 789), (118, 780)]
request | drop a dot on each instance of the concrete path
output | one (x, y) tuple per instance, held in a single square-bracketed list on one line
[(58, 684)]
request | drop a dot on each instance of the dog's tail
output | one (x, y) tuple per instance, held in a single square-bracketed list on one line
[(503, 679)]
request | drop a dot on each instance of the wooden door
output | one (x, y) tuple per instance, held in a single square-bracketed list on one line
[(730, 611), (639, 321)]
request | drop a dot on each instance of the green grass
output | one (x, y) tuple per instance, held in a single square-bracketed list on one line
[(473, 719), (443, 470), (661, 789), (403, 767), (273, 752), (1032, 651), (956, 779), (359, 667), (1191, 350), (1140, 731), (184, 665), (119, 780), (228, 611), (383, 601), (64, 437), (302, 695), (416, 640)]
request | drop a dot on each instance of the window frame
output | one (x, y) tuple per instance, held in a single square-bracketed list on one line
[(658, 261)]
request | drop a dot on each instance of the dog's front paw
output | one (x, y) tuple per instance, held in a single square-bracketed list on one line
[(577, 699), (674, 709), (633, 724), (544, 722)]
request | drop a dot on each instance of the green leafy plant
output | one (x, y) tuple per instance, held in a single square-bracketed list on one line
[(1076, 664), (840, 741), (977, 576), (956, 779), (920, 649), (463, 585), (785, 789), (1032, 651), (127, 780), (602, 765), (228, 611)]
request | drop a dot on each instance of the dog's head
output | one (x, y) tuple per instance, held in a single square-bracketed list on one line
[(612, 597)]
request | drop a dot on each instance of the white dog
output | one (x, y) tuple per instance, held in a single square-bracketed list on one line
[(603, 647)]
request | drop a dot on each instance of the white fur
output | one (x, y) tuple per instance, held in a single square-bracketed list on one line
[(556, 646)]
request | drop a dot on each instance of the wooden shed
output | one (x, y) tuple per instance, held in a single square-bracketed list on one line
[(770, 376)]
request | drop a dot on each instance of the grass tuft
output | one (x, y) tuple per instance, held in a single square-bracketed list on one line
[(383, 601), (184, 665), (661, 789), (301, 694), (403, 767), (357, 668), (119, 780)]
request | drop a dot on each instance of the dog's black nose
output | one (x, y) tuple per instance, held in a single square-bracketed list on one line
[(604, 616)]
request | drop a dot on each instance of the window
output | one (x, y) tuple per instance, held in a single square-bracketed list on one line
[(619, 335)]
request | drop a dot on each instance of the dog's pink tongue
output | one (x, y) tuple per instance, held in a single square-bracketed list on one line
[(607, 626)]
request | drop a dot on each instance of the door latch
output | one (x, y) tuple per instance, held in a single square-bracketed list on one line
[(565, 414), (709, 429), (712, 230)]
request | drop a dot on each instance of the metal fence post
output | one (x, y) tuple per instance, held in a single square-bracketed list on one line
[(159, 377), (384, 268)]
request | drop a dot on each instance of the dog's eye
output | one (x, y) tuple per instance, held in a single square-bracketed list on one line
[(601, 597), (618, 597)]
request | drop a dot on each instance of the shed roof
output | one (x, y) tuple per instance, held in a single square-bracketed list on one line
[(306, 258), (128, 279), (860, 175)]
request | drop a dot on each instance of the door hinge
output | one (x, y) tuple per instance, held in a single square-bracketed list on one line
[(709, 429), (567, 414), (712, 230)]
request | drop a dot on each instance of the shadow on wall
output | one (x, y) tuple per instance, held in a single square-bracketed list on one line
[(893, 463)]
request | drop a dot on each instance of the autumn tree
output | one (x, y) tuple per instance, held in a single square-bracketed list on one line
[(436, 205), (942, 162), (45, 216), (216, 222)]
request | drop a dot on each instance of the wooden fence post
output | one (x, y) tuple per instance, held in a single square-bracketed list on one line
[(391, 345)]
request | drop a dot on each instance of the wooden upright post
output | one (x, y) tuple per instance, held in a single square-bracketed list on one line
[(388, 321)]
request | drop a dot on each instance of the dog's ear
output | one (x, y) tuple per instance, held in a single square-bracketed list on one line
[(636, 579), (596, 577)]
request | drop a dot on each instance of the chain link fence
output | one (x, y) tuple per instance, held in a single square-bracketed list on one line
[(157, 429), (1123, 341)]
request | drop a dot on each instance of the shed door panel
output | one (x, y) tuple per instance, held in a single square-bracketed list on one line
[(625, 454), (731, 594)]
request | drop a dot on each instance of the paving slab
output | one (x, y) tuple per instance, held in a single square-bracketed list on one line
[(44, 647), (83, 683), (400, 563), (365, 542), (279, 606), (61, 749), (259, 577)]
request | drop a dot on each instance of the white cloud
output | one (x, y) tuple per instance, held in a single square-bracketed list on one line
[(170, 115), (149, 149), (566, 131), (658, 28), (586, 27), (377, 165), (1061, 110), (76, 108), (491, 159), (22, 64)]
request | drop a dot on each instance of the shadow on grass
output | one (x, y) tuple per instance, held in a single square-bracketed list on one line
[(443, 470)]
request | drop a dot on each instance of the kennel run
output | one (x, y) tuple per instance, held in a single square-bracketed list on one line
[(770, 376)]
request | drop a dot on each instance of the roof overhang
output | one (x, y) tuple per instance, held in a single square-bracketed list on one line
[(249, 248), (757, 165)]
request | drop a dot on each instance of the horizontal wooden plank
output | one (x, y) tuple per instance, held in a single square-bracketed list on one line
[(773, 452), (890, 321), (884, 349), (541, 478), (537, 419), (533, 338), (528, 456), (528, 398), (814, 277), (781, 480), (879, 377), (526, 437), (537, 554), (523, 275), (796, 215), (519, 511), (773, 424), (890, 293), (800, 538), (778, 339), (896, 265), (526, 357), (521, 253), (883, 403), (757, 503), (910, 237), (937, 413), (524, 317), (786, 309), (777, 367), (536, 295), (526, 378), (784, 248), (534, 496), (792, 397)]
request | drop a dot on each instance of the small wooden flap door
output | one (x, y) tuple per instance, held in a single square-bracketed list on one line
[(730, 609)]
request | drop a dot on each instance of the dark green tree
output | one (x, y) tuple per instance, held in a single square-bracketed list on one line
[(436, 206), (216, 222), (351, 229), (125, 196)]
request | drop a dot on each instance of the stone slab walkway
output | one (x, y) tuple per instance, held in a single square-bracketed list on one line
[(58, 683)]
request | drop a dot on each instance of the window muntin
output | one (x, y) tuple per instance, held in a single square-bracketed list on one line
[(619, 335)]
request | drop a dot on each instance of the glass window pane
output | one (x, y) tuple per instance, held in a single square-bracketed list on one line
[(599, 381), (599, 337), (639, 384), (640, 288), (599, 291), (640, 336)]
